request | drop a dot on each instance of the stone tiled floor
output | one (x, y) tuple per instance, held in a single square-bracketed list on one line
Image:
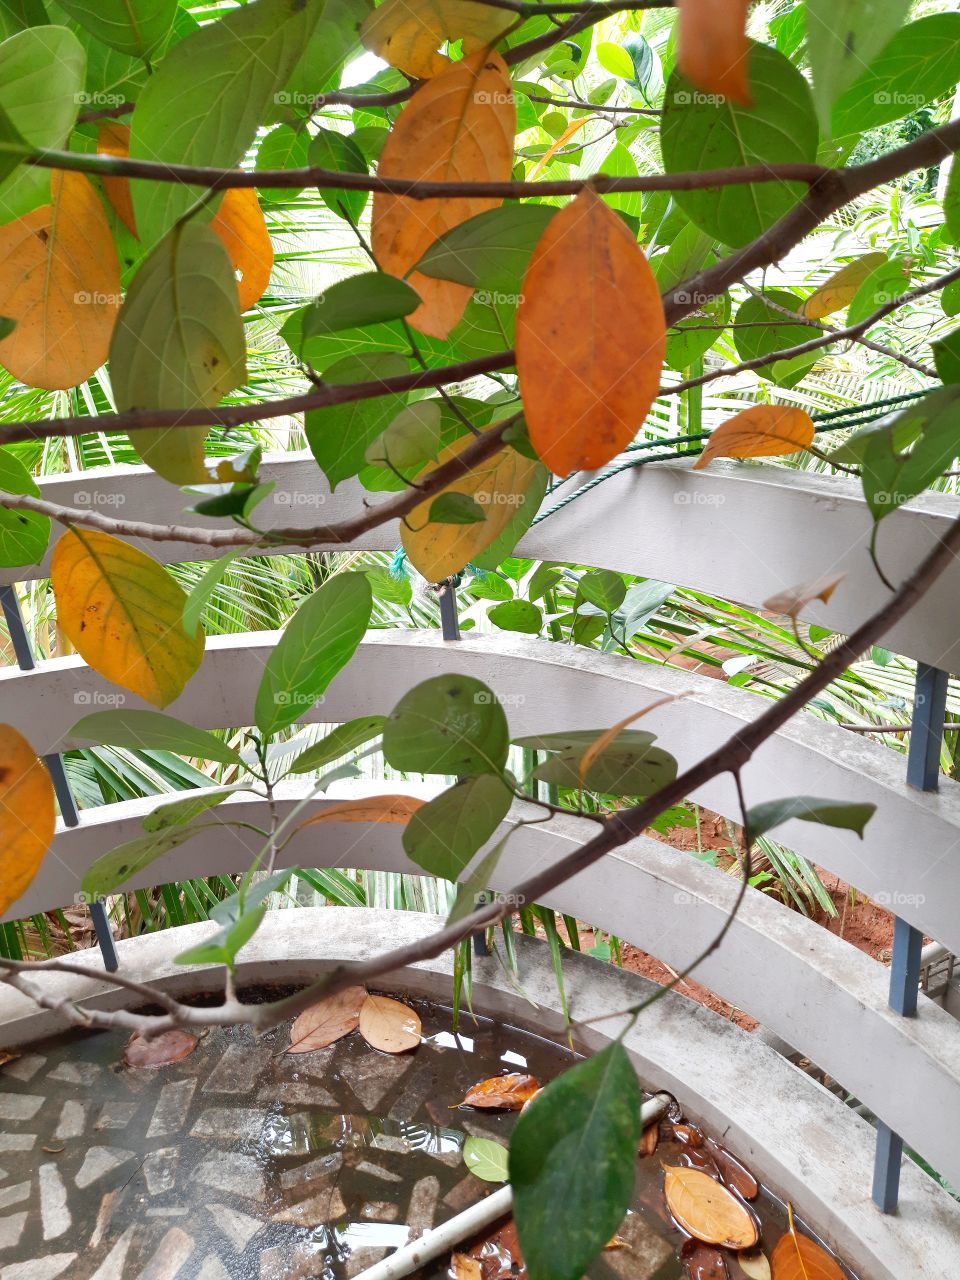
[(243, 1162)]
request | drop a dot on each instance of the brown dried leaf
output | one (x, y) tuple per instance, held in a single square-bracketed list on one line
[(705, 1209), (754, 1265), (798, 1257), (795, 599), (688, 1134), (328, 1020), (703, 1261), (504, 1093), (763, 431), (649, 1139), (169, 1047), (8, 1055), (463, 1267), (733, 1171), (389, 1025)]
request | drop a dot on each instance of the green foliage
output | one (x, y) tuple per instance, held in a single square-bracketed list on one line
[(844, 814), (153, 729), (134, 27), (449, 724), (774, 332), (340, 435), (23, 534), (444, 835)]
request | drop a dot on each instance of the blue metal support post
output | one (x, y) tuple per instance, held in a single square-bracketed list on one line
[(923, 772)]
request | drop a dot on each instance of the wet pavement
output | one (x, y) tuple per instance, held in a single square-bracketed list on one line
[(241, 1162)]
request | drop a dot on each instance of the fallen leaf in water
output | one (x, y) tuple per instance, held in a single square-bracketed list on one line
[(754, 1265), (698, 1158), (707, 1210), (7, 1055), (536, 1093), (328, 1020), (160, 1051), (734, 1173), (499, 1254), (688, 1134), (703, 1261), (503, 1093), (797, 1257), (388, 1025), (649, 1139), (616, 1242), (463, 1267), (54, 1151)]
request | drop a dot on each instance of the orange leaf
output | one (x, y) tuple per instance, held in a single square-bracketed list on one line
[(60, 282), (398, 809), (160, 1051), (705, 1209), (502, 1093), (114, 140), (328, 1020), (389, 1025), (409, 35), (572, 129), (240, 225), (797, 1257), (764, 431), (463, 1267), (458, 126), (792, 601), (841, 288), (713, 48), (600, 744), (26, 815), (591, 337)]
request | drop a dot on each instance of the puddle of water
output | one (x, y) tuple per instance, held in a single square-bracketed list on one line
[(241, 1162)]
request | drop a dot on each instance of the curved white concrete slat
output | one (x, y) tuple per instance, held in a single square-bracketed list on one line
[(743, 532), (813, 989), (804, 1144), (909, 859)]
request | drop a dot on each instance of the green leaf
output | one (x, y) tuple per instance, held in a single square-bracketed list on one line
[(920, 63), (250, 895), (486, 1158), (411, 440), (700, 131), (615, 60), (617, 771), (115, 868), (450, 724), (370, 298), (333, 40), (691, 338), (950, 299), (445, 833), (575, 1146), (951, 201), (843, 37), (319, 640), (469, 891), (336, 151), (339, 435), (386, 587), (603, 588), (41, 88), (845, 814), (517, 615), (207, 98), (24, 535), (491, 250), (222, 948), (283, 148), (178, 344), (344, 738), (134, 27), (774, 332), (184, 810), (200, 594), (884, 284), (456, 508), (577, 740), (152, 730), (946, 356), (899, 458)]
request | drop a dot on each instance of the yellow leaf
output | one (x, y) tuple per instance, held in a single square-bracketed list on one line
[(705, 1209), (796, 1257), (754, 1265), (713, 49), (766, 430), (458, 127), (27, 817), (240, 225), (841, 289), (60, 282), (792, 601), (123, 613), (591, 337), (572, 129), (399, 809), (389, 1025), (497, 486), (408, 33), (114, 140)]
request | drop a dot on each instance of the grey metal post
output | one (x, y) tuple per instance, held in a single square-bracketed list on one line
[(923, 772), (54, 762)]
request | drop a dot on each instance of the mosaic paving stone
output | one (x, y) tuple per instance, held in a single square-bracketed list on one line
[(25, 1067), (172, 1108), (83, 1073), (239, 1228), (19, 1106), (233, 1172), (99, 1161), (11, 1229), (14, 1195), (113, 1264), (116, 1115), (54, 1214), (73, 1120)]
